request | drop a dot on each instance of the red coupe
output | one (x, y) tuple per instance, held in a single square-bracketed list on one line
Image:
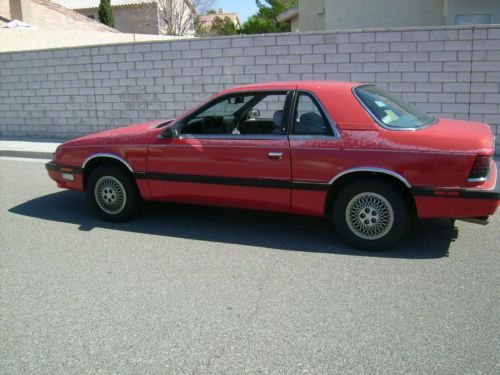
[(347, 151)]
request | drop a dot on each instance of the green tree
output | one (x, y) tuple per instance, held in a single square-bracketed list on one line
[(199, 28), (265, 20), (105, 13), (223, 26)]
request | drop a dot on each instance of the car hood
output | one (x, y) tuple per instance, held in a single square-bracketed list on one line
[(131, 134)]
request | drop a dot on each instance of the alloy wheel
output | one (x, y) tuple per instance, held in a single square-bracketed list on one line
[(369, 215)]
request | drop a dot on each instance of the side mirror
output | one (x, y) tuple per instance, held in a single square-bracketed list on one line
[(169, 133)]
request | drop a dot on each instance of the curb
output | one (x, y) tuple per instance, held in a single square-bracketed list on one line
[(26, 154)]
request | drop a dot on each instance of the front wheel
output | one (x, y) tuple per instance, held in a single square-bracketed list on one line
[(371, 215), (112, 194)]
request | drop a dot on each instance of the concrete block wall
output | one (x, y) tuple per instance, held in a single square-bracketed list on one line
[(452, 72)]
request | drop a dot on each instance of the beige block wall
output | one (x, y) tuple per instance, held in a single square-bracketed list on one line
[(361, 14), (140, 19), (450, 72)]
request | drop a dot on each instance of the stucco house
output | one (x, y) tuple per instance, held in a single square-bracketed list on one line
[(315, 15), (142, 16)]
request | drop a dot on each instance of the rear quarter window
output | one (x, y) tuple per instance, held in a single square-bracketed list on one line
[(391, 111)]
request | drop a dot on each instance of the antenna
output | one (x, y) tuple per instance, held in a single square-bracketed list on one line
[(220, 76)]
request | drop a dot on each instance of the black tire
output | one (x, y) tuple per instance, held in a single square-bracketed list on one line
[(113, 194), (355, 215)]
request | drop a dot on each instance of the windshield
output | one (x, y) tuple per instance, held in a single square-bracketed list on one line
[(390, 110)]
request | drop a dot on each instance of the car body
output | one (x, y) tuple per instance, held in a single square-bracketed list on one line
[(316, 144)]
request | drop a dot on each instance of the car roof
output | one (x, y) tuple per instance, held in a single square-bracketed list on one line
[(299, 85)]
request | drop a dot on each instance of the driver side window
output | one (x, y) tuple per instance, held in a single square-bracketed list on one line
[(243, 115), (217, 118)]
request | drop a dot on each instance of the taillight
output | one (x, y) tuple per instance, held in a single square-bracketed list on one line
[(480, 169)]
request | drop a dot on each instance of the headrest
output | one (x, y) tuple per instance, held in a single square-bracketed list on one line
[(310, 123)]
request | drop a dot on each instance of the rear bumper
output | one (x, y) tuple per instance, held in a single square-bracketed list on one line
[(459, 203), (66, 176)]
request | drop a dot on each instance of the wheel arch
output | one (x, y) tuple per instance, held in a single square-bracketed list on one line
[(344, 178), (96, 160)]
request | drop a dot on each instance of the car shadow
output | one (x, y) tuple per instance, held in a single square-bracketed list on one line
[(427, 239)]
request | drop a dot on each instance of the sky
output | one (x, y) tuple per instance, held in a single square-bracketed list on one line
[(244, 8)]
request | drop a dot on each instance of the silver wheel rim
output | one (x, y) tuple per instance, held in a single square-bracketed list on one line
[(369, 216), (110, 195)]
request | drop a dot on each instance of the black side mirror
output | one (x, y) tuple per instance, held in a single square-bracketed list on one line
[(169, 133)]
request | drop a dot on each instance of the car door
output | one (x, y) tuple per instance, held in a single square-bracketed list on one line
[(230, 152), (316, 154)]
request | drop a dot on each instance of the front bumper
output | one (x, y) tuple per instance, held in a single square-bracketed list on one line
[(66, 176)]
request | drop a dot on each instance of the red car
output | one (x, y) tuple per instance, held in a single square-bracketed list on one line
[(347, 151)]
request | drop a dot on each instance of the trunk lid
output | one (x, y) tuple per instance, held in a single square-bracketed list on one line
[(447, 135)]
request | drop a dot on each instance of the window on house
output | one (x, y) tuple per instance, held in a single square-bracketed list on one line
[(472, 19)]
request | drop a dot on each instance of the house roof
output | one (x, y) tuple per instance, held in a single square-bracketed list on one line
[(46, 14), (288, 15), (207, 19), (211, 17), (92, 4)]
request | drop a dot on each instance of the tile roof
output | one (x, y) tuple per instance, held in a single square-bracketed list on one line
[(207, 19), (61, 17), (92, 4), (3, 20), (46, 14), (288, 15)]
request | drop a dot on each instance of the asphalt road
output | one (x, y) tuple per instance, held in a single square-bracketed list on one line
[(188, 290)]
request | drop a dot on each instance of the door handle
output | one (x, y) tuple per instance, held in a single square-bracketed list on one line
[(275, 155)]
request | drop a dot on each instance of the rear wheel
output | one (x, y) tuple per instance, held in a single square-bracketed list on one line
[(371, 215), (112, 193)]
